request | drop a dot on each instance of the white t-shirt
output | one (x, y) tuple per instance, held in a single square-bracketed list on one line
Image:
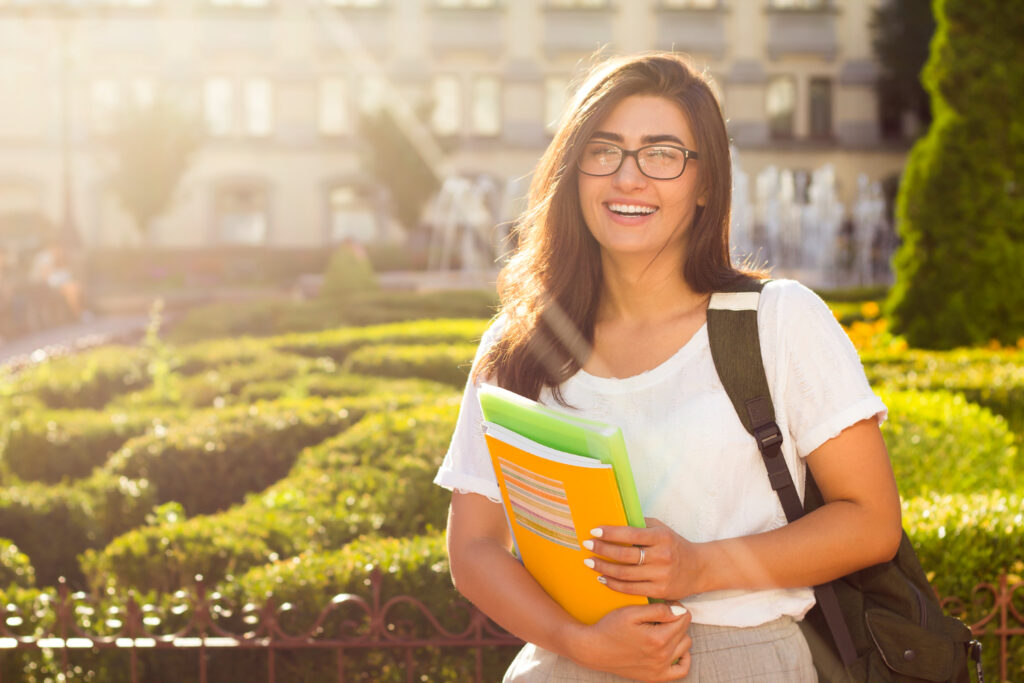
[(696, 468)]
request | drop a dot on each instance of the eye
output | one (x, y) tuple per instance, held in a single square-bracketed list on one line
[(599, 149), (661, 153)]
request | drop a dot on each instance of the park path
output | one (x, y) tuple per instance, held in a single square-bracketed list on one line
[(59, 340)]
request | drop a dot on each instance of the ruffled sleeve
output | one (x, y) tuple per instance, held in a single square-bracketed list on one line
[(467, 465), (819, 374)]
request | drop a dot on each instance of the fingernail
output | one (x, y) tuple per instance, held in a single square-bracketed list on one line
[(602, 579), (598, 533), (589, 545), (589, 562), (678, 610)]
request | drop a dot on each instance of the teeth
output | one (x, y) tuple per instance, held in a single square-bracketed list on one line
[(632, 209)]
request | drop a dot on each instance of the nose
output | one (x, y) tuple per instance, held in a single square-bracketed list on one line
[(629, 175)]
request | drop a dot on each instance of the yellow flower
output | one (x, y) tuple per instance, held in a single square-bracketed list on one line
[(870, 310)]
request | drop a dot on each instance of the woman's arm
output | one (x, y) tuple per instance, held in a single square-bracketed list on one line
[(859, 525), (648, 642)]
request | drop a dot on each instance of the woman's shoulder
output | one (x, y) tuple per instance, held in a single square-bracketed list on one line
[(791, 297)]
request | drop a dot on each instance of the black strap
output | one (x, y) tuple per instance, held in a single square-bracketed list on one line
[(736, 351)]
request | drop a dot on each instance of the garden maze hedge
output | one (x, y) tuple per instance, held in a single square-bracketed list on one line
[(291, 464)]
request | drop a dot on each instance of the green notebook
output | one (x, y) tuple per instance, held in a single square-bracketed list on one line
[(563, 431)]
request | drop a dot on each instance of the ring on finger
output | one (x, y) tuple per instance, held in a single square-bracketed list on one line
[(641, 560)]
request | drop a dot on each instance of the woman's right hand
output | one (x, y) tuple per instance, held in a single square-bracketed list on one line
[(642, 642)]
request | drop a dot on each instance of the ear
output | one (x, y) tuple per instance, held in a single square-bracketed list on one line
[(701, 201)]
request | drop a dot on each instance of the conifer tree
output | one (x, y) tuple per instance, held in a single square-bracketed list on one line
[(960, 210)]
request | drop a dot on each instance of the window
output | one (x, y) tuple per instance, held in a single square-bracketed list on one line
[(258, 112), (799, 4), (556, 95), (447, 117), (239, 3), (372, 94), (218, 106), (486, 106), (466, 4), (353, 3), (781, 106), (578, 4), (245, 108), (334, 118), (352, 215), (821, 108), (106, 98), (690, 4), (242, 216)]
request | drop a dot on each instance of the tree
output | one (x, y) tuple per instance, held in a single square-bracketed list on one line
[(900, 33), (397, 164), (152, 145), (960, 209)]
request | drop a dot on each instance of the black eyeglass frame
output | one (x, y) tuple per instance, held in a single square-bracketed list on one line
[(635, 153)]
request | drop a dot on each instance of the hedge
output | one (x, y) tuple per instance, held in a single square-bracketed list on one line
[(994, 379), (941, 442), (374, 478), (52, 445), (15, 567), (339, 343), (448, 363), (337, 385), (86, 380)]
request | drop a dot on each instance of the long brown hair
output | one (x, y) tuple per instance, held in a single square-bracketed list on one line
[(550, 288)]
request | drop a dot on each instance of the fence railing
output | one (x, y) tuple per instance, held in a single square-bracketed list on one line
[(378, 626)]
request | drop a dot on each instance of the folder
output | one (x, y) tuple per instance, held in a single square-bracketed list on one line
[(560, 476)]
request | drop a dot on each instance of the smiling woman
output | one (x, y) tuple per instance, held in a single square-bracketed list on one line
[(604, 310)]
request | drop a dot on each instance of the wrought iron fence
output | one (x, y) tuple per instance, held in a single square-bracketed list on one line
[(129, 628)]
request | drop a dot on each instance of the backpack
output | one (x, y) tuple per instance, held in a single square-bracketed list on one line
[(882, 623)]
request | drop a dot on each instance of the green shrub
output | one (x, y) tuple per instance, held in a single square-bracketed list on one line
[(15, 567), (960, 207), (213, 459), (374, 478), (940, 442), (994, 379), (448, 363), (963, 540), (348, 272), (337, 385), (52, 445), (338, 344), (85, 380)]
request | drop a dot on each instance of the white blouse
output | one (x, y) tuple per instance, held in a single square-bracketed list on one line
[(696, 468)]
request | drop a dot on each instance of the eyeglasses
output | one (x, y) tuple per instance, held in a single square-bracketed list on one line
[(660, 162)]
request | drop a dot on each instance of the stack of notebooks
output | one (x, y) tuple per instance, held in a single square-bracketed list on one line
[(560, 476)]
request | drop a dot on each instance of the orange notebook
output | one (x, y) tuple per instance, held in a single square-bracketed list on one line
[(552, 500)]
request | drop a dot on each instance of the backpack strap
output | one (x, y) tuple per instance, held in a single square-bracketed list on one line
[(736, 351)]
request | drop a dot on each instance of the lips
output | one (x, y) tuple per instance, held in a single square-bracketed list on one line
[(624, 209)]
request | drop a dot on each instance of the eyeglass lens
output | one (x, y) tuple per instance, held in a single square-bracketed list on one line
[(662, 162)]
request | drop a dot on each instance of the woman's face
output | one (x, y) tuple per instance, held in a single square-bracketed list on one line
[(627, 212)]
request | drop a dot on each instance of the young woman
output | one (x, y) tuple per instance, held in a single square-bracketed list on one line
[(603, 311)]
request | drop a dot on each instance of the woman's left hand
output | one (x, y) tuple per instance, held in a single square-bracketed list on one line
[(655, 562)]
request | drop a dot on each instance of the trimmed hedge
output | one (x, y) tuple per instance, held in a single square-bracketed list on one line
[(337, 385), (448, 363), (941, 442), (338, 344), (374, 478), (86, 380), (53, 445), (994, 379)]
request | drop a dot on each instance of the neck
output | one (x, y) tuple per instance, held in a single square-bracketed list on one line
[(639, 290)]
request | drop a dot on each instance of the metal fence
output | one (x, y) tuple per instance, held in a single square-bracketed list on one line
[(378, 626)]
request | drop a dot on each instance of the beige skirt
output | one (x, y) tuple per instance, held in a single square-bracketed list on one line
[(775, 652)]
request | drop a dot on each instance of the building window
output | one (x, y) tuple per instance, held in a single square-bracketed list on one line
[(466, 4), (373, 91), (239, 3), (821, 108), (258, 109), (218, 106), (352, 215), (690, 4), (577, 4), (556, 96), (486, 106), (334, 117), (108, 96), (447, 116), (242, 216), (799, 4), (353, 3), (781, 106)]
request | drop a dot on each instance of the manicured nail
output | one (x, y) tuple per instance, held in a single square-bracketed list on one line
[(589, 545), (678, 610), (597, 533), (589, 562), (602, 579)]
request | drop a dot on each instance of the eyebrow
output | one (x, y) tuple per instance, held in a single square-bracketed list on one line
[(645, 140)]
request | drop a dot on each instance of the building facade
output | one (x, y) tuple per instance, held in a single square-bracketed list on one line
[(476, 84)]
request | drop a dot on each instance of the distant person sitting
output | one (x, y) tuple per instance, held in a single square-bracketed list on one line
[(52, 267)]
